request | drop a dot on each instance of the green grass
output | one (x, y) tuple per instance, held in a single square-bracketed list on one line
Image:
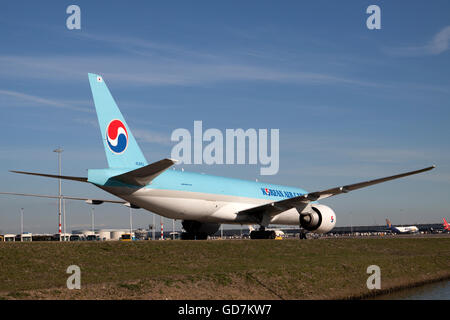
[(289, 269)]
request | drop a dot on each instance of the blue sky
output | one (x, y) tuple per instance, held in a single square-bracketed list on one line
[(351, 103)]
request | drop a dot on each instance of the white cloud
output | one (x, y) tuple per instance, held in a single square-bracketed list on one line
[(143, 136), (438, 44), (147, 136), (15, 98), (180, 70)]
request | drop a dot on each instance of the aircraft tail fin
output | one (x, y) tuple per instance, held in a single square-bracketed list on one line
[(446, 225), (388, 223), (122, 150)]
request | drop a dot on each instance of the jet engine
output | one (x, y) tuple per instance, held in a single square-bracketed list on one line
[(321, 219), (198, 230)]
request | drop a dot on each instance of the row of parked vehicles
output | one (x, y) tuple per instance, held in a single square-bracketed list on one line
[(16, 237), (28, 237)]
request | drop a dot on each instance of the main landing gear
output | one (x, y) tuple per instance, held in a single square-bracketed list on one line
[(262, 234), (194, 236)]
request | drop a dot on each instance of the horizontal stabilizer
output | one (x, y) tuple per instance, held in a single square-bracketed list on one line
[(143, 176), (87, 200), (82, 179)]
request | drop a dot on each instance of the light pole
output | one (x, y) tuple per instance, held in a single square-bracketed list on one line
[(131, 225), (64, 212), (59, 150), (351, 223), (21, 224), (92, 217), (162, 229), (173, 229), (153, 229)]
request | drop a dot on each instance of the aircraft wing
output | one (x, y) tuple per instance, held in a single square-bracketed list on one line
[(87, 200), (301, 202)]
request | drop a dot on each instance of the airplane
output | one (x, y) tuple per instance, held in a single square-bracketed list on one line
[(203, 202), (410, 229), (446, 225)]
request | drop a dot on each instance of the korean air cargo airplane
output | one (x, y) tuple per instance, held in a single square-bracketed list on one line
[(201, 201)]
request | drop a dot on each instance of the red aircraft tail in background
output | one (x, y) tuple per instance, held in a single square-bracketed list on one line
[(446, 225)]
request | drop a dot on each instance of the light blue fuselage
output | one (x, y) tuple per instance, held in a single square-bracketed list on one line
[(195, 196)]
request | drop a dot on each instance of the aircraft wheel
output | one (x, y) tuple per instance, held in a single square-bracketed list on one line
[(262, 234)]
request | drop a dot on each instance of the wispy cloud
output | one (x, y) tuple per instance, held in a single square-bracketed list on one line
[(144, 47), (347, 174), (148, 136), (141, 135), (32, 100), (440, 42), (137, 61), (141, 71), (91, 122), (387, 155), (168, 64), (437, 45)]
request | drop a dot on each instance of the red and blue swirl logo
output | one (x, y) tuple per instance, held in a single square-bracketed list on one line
[(116, 136)]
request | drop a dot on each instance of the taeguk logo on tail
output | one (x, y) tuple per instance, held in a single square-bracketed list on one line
[(116, 136)]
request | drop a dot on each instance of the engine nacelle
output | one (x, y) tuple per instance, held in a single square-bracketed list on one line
[(321, 219)]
